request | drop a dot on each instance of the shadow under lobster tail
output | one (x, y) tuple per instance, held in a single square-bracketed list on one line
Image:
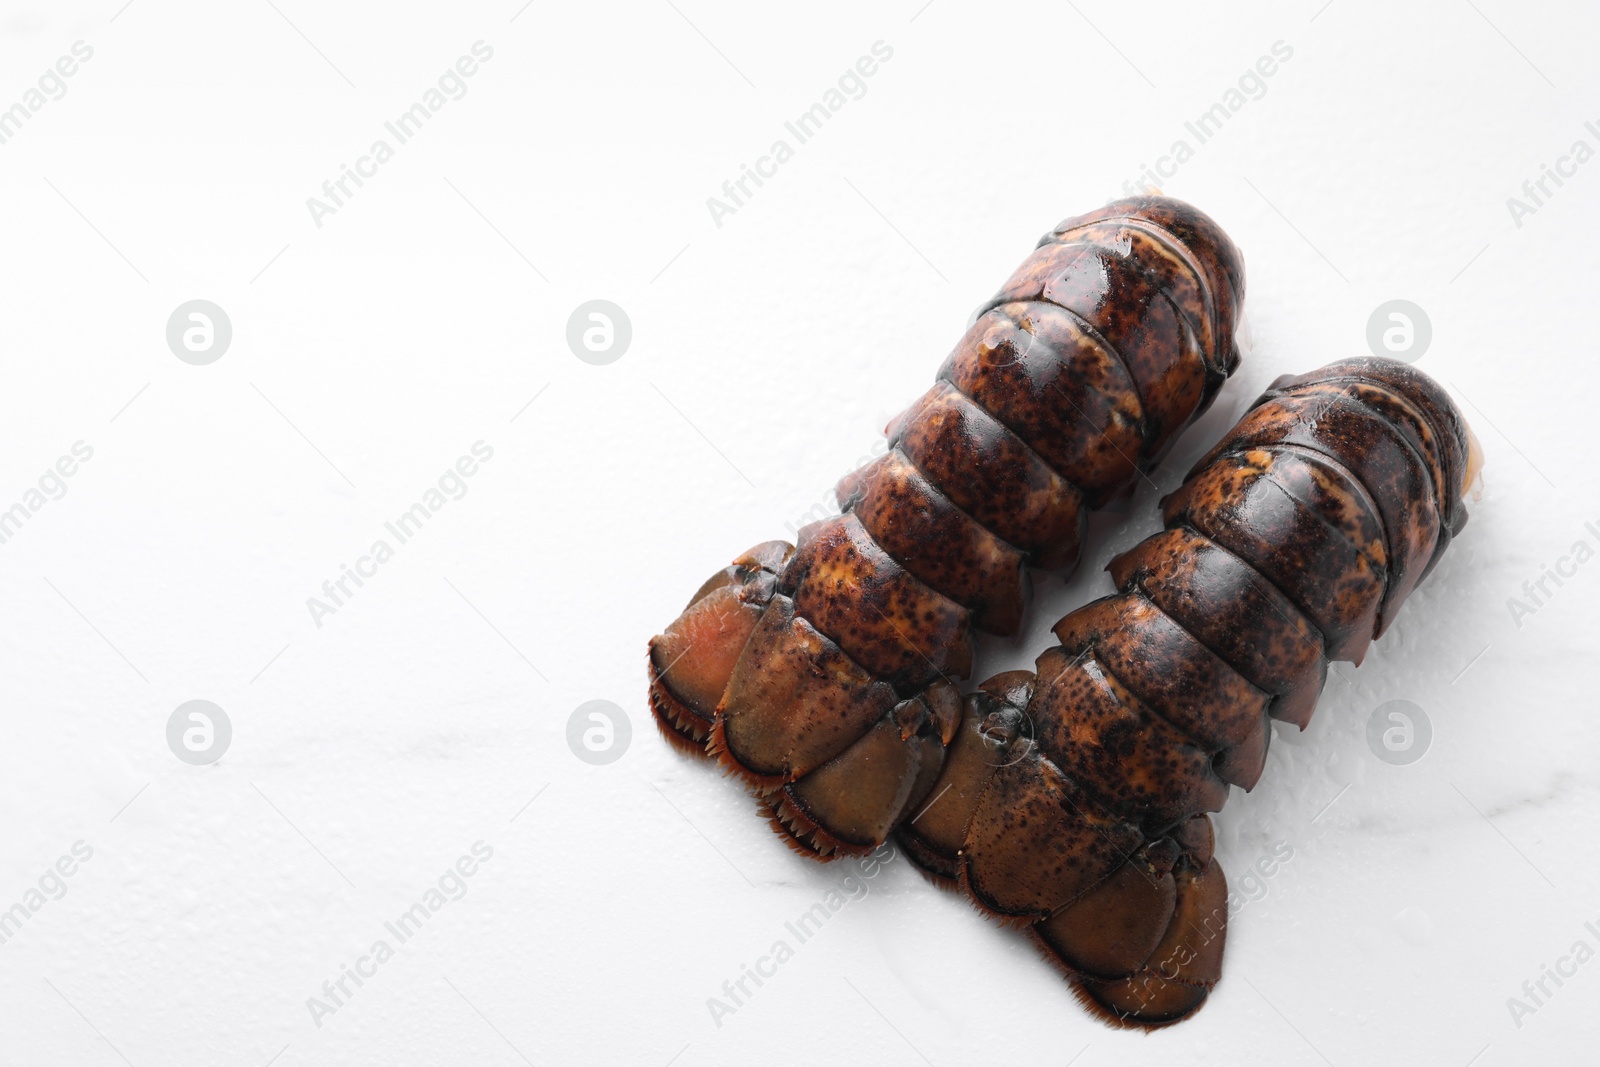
[(689, 663)]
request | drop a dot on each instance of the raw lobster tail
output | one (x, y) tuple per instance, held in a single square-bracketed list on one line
[(1074, 798), (821, 673)]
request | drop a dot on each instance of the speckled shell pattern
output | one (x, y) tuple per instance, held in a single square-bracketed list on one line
[(1074, 798), (822, 674)]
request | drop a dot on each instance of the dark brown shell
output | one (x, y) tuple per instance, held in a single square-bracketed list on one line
[(1109, 340), (1293, 542), (821, 674)]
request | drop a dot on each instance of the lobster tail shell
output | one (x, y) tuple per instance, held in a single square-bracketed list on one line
[(1073, 800), (1293, 542), (1108, 340)]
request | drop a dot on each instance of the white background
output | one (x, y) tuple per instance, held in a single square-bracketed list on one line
[(368, 354)]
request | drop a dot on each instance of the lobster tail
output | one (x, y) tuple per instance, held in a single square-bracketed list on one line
[(1073, 801), (821, 677), (1293, 542)]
